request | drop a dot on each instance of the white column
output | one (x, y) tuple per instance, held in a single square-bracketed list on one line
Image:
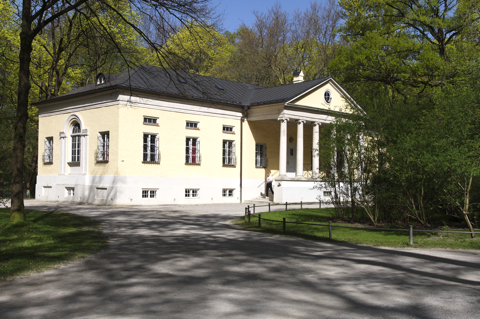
[(63, 153), (283, 148), (315, 149), (299, 173)]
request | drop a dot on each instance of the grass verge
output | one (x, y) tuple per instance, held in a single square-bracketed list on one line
[(45, 240), (356, 236)]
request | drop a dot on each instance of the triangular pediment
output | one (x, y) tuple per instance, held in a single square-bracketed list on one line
[(318, 97)]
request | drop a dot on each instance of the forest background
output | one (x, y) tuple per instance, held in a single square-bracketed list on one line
[(413, 65)]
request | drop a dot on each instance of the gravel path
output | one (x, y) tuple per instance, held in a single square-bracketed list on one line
[(190, 262)]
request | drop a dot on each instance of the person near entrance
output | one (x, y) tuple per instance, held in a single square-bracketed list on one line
[(269, 184)]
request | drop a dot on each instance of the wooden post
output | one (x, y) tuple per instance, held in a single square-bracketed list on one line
[(286, 206), (269, 207), (259, 220), (301, 205), (329, 230), (320, 204), (284, 225), (411, 235)]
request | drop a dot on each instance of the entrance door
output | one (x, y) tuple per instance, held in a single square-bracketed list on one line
[(291, 160)]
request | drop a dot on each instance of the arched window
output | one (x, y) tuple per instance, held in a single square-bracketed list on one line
[(100, 79), (76, 142)]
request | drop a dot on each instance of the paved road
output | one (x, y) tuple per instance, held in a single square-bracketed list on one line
[(189, 262)]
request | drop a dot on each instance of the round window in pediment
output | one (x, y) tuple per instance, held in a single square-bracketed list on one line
[(327, 96)]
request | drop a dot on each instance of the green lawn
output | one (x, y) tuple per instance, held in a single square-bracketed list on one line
[(45, 240), (357, 236)]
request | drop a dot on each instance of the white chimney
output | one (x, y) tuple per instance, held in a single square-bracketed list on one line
[(297, 76)]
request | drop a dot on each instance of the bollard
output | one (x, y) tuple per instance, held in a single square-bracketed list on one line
[(259, 220), (254, 208), (411, 235), (329, 230), (320, 204), (284, 224), (269, 207), (301, 205), (286, 206)]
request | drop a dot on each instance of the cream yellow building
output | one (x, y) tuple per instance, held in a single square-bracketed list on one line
[(150, 136)]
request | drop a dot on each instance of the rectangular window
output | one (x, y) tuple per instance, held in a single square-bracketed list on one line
[(260, 155), (76, 148), (195, 125), (327, 193), (70, 191), (226, 192), (149, 193), (150, 120), (150, 148), (48, 156), (192, 150), (103, 146), (228, 153), (191, 193), (228, 129)]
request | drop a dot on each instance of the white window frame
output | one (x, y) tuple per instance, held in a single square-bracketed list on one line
[(192, 150), (260, 155), (228, 153), (192, 125), (76, 142), (150, 152), (228, 129), (228, 192), (148, 193), (327, 91), (192, 192), (70, 191), (48, 156), (149, 120), (103, 149)]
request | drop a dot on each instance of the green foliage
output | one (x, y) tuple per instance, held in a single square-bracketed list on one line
[(200, 49), (45, 240)]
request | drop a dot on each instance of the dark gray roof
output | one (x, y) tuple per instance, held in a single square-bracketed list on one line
[(166, 82)]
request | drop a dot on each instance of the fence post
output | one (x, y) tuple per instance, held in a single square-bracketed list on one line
[(301, 205), (284, 224), (286, 206), (329, 230), (249, 218), (319, 204), (254, 208), (259, 220), (411, 235), (269, 207)]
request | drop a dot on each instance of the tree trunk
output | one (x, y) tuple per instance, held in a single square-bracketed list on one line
[(17, 212)]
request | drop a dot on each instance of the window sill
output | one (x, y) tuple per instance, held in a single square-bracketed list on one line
[(73, 163), (227, 165), (260, 167), (151, 124), (228, 132), (193, 128), (197, 164), (47, 163), (147, 162), (105, 161)]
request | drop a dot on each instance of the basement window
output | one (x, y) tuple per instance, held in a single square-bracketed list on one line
[(192, 193)]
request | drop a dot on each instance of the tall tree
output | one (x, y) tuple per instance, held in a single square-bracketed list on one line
[(35, 16)]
